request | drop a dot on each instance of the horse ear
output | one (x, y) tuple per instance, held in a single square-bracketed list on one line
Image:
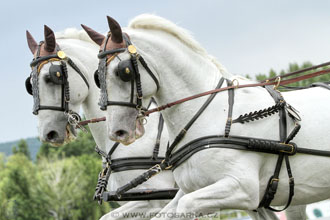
[(50, 42), (31, 42), (116, 33), (95, 36)]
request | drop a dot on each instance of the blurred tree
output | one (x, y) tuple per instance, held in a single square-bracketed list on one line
[(67, 186), (18, 178), (22, 148), (294, 67)]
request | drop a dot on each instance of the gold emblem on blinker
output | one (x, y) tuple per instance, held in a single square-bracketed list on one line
[(58, 74), (131, 49), (61, 54), (127, 70)]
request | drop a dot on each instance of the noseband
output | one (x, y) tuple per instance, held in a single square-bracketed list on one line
[(127, 71), (58, 74)]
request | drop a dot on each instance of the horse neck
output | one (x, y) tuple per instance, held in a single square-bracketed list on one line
[(182, 72), (84, 55)]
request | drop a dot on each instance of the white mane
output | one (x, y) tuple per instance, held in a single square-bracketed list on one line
[(149, 21), (74, 33)]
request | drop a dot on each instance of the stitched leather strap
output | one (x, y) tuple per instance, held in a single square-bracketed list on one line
[(231, 94)]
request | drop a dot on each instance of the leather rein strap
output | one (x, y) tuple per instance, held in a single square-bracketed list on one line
[(276, 83), (263, 83)]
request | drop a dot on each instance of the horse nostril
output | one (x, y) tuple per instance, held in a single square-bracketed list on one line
[(121, 133), (52, 135)]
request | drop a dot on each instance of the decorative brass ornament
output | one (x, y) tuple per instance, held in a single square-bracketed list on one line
[(58, 74), (127, 70), (131, 49), (61, 54)]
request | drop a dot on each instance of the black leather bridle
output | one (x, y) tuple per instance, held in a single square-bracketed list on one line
[(58, 75), (127, 70)]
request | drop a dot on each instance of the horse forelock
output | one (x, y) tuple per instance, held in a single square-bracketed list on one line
[(153, 22)]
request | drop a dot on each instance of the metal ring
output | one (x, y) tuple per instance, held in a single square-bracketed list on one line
[(237, 83), (278, 80), (143, 120)]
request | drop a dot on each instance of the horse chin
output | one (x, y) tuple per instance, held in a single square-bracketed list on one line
[(71, 134), (139, 131)]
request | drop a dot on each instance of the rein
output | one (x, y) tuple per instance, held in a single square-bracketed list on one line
[(268, 82), (275, 83)]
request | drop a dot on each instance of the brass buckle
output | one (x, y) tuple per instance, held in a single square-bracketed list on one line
[(167, 168), (274, 180), (288, 152)]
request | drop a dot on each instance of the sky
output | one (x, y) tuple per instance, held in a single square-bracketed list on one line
[(247, 37)]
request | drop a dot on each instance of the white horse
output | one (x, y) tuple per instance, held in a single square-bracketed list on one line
[(262, 213), (218, 178), (54, 127)]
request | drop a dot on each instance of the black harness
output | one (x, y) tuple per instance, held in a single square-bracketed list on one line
[(283, 148), (131, 163), (58, 74), (127, 70)]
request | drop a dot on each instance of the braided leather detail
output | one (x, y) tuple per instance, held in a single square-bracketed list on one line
[(101, 185), (66, 86), (259, 114), (262, 145), (137, 81), (103, 102), (227, 127), (294, 132), (35, 90), (271, 146)]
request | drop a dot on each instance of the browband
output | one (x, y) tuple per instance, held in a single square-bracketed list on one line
[(107, 52)]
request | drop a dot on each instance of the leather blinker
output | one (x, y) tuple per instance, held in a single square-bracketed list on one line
[(56, 74), (126, 70), (96, 78), (28, 85)]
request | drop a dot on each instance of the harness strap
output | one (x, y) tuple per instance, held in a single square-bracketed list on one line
[(182, 133), (124, 164), (231, 94), (76, 68), (164, 165), (274, 180), (145, 65), (159, 134)]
